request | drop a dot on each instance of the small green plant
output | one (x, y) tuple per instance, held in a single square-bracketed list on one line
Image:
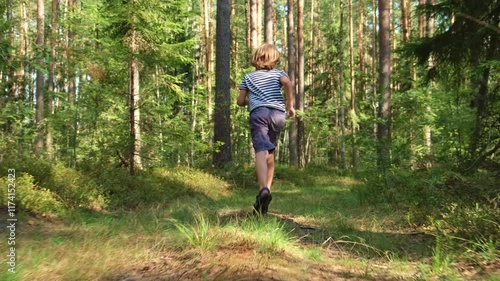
[(199, 234), (441, 255), (269, 234)]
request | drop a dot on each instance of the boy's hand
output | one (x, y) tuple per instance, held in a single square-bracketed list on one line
[(291, 113)]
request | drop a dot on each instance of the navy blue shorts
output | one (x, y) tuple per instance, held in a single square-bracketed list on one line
[(265, 126)]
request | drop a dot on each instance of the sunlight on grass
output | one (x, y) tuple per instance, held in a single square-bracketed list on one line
[(197, 180)]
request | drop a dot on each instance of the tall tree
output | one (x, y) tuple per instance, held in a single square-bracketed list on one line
[(342, 89), (293, 145), (208, 55), (222, 119), (384, 125), (300, 83), (254, 24), (268, 22), (52, 79), (40, 78), (427, 127), (352, 88)]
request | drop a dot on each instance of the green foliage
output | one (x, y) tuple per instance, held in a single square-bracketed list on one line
[(31, 197), (76, 189)]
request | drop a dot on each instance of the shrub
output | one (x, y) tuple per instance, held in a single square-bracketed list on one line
[(32, 198), (75, 189)]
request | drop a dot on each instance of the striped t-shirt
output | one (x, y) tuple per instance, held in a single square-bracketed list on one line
[(265, 88)]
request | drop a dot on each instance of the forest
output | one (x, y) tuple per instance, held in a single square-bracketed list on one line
[(120, 130)]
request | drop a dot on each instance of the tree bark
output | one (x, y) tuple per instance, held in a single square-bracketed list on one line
[(292, 138), (300, 84), (428, 108), (51, 83), (384, 126), (208, 56), (269, 21), (222, 117), (40, 79), (341, 89), (254, 26), (135, 117), (353, 89)]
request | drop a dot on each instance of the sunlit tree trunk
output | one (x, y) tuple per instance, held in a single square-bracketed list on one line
[(11, 79), (384, 125), (292, 138), (342, 89), (300, 83), (361, 49), (22, 49), (352, 89), (268, 22), (374, 66), (254, 26), (40, 79), (428, 108), (208, 56), (51, 83), (133, 89), (222, 119)]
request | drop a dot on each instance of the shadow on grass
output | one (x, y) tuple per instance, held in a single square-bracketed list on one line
[(334, 217)]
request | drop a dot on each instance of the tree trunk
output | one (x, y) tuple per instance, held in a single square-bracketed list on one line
[(208, 56), (22, 50), (374, 66), (353, 89), (361, 50), (268, 21), (384, 126), (421, 21), (134, 108), (341, 89), (222, 118), (428, 108), (40, 79), (51, 83), (254, 26), (300, 87), (292, 138)]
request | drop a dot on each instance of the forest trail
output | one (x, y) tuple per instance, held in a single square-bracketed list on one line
[(242, 261), (323, 231)]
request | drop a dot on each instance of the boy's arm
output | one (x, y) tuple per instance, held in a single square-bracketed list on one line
[(289, 96), (242, 98)]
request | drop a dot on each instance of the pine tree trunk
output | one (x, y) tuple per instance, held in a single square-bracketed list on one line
[(341, 89), (22, 50), (384, 126), (208, 56), (353, 89), (134, 101), (292, 138), (254, 24), (374, 66), (222, 118), (268, 21), (300, 84), (428, 108), (51, 83), (40, 79)]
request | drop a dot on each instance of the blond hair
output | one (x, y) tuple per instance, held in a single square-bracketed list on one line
[(266, 56)]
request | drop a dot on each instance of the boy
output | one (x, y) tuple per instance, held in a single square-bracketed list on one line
[(261, 90)]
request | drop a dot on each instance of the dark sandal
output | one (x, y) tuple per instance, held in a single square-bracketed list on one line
[(262, 201)]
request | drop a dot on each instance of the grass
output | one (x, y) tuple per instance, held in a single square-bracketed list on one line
[(197, 226)]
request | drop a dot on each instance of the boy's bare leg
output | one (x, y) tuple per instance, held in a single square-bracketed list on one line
[(270, 169), (262, 168)]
